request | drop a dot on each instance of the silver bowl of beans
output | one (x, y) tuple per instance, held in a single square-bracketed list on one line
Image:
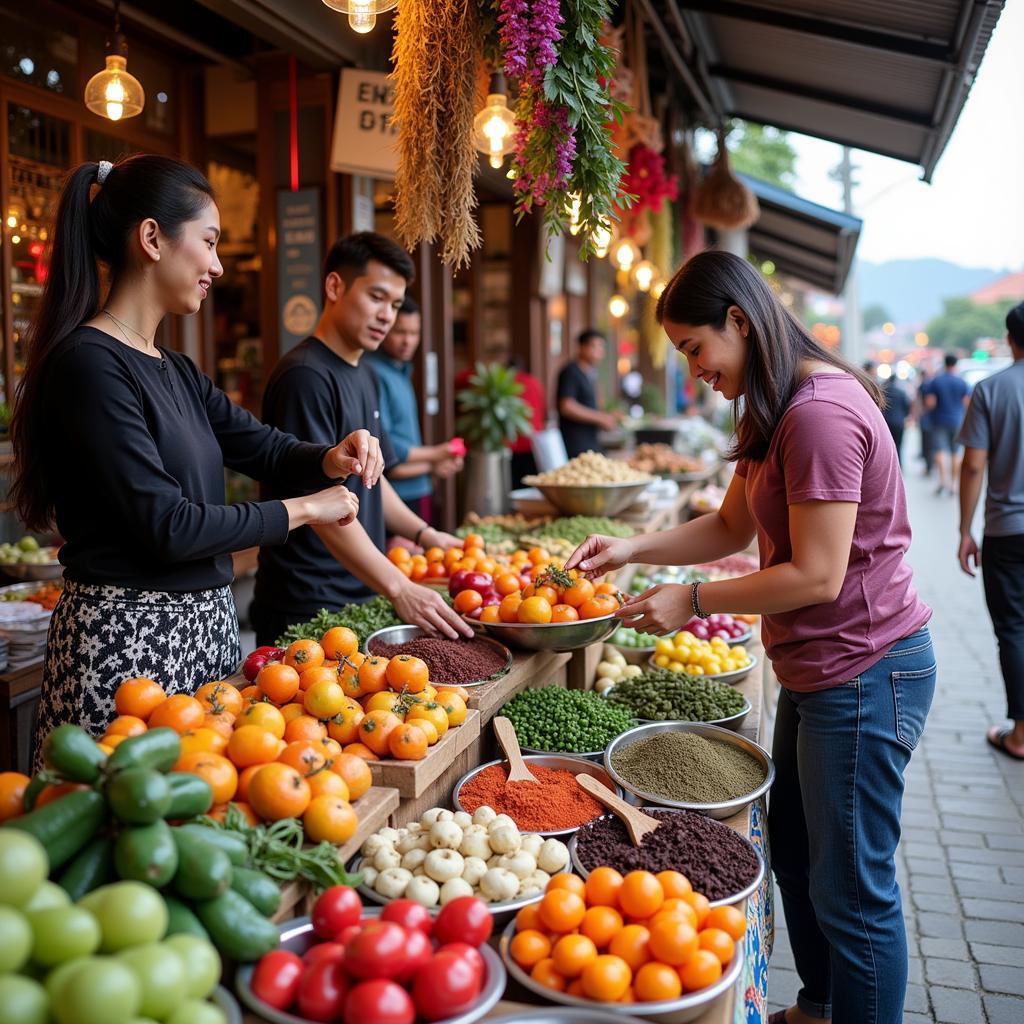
[(562, 762), (477, 660), (690, 766), (719, 862)]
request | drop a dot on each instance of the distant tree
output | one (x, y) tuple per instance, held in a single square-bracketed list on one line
[(762, 152), (874, 316), (962, 323)]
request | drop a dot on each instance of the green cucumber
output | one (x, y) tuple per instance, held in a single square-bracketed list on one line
[(65, 825), (261, 891), (237, 928), (190, 795), (93, 867), (181, 920), (138, 796), (204, 869), (72, 752), (34, 789), (146, 853), (158, 749), (233, 844)]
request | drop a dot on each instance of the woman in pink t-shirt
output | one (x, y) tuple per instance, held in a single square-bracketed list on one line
[(818, 482)]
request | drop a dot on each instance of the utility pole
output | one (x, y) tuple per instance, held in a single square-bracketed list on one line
[(852, 343)]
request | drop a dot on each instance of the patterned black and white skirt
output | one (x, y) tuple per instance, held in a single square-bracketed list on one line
[(101, 635)]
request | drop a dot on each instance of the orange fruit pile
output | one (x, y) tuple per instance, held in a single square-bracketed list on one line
[(553, 595), (624, 939)]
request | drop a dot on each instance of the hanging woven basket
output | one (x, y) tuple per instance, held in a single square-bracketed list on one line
[(722, 200)]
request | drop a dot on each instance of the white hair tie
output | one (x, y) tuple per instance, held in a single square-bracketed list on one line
[(105, 168)]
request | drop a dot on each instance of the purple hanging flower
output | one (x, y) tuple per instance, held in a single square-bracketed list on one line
[(514, 19), (545, 22)]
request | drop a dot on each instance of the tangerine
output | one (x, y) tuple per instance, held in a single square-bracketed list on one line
[(355, 772), (251, 745), (278, 791), (329, 818), (138, 697), (217, 770), (303, 654), (529, 947), (339, 643), (278, 682), (264, 715), (126, 725), (179, 712), (220, 696), (606, 978), (12, 794)]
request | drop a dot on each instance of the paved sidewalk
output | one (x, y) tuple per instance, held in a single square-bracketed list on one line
[(961, 860)]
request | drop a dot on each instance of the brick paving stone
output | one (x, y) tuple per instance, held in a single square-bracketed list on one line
[(919, 866), (998, 933), (932, 902), (1002, 978), (934, 884), (1001, 1010), (991, 890), (947, 949), (955, 1005), (917, 1018), (1014, 876), (1008, 956), (938, 926), (1000, 858), (997, 833), (1006, 842), (916, 1000), (962, 872), (952, 973), (994, 909)]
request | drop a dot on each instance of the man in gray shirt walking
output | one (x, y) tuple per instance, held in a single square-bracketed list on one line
[(992, 434)]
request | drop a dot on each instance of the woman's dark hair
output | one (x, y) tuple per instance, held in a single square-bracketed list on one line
[(348, 257), (1015, 325), (89, 231), (701, 293)]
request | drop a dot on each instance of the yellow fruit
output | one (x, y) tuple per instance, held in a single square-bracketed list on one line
[(662, 660)]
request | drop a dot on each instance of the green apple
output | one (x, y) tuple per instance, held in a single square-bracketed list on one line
[(62, 933), (15, 940), (161, 973), (202, 963), (22, 1000), (23, 866)]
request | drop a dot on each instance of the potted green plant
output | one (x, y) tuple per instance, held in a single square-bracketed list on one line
[(491, 414)]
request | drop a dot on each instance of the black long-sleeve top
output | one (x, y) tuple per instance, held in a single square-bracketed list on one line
[(134, 455)]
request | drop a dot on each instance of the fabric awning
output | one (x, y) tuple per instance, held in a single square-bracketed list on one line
[(804, 240)]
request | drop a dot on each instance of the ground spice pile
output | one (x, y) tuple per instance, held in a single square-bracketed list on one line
[(687, 767), (554, 802), (450, 661), (718, 862)]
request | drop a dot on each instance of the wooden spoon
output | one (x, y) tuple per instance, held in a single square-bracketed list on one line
[(506, 733), (637, 823)]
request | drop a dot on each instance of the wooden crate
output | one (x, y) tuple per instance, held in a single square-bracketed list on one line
[(529, 668), (411, 778)]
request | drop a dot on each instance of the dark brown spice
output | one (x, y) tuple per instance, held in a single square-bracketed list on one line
[(451, 662), (717, 860)]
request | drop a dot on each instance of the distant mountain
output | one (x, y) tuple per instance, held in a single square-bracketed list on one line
[(912, 290)]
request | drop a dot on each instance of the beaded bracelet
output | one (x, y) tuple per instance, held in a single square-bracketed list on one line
[(695, 601)]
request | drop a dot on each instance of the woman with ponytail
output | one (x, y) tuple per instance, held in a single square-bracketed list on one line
[(121, 446), (818, 483)]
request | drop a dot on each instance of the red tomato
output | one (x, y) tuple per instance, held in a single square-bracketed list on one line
[(469, 953), (379, 1002), (445, 986), (418, 951), (465, 919), (334, 951), (336, 908), (276, 978), (322, 991), (409, 914), (346, 933), (377, 950)]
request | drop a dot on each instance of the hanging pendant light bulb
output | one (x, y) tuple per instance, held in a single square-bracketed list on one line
[(601, 239), (362, 14), (113, 93), (618, 307), (624, 253), (644, 274), (494, 127)]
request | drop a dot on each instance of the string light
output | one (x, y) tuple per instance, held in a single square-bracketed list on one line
[(113, 93), (644, 274), (624, 253), (362, 14), (618, 307)]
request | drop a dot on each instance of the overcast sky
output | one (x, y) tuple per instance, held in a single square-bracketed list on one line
[(973, 212)]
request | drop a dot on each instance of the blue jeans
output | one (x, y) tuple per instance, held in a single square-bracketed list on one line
[(834, 823)]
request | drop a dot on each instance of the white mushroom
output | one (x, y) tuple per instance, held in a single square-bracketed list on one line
[(474, 843), (473, 869), (505, 839), (462, 819), (484, 815), (531, 844), (389, 835), (453, 889), (410, 842), (493, 860), (499, 820), (553, 856), (435, 814), (372, 845), (535, 882), (414, 828), (386, 857), (419, 872), (392, 883), (423, 890), (520, 864), (444, 864), (369, 874), (413, 859), (445, 835), (499, 885)]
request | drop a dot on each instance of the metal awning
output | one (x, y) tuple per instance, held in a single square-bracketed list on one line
[(887, 76), (804, 240)]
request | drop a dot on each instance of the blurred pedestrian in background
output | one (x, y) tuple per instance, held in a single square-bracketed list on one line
[(946, 397)]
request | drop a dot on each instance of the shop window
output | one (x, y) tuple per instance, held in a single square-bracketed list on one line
[(101, 146), (38, 158), (37, 52)]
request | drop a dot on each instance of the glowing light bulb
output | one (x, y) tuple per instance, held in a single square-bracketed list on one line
[(12, 221), (361, 17), (625, 253), (114, 93), (113, 98), (643, 275), (494, 126), (618, 307)]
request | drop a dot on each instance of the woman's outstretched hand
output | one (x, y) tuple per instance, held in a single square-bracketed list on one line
[(663, 609), (598, 555)]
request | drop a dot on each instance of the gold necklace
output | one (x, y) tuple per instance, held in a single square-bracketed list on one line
[(121, 326)]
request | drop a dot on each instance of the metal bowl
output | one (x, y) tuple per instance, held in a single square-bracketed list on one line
[(686, 1008), (722, 810), (557, 1015), (731, 722), (502, 913), (228, 1004), (34, 570), (591, 499), (633, 655), (297, 936), (725, 901), (403, 634), (551, 636), (722, 677), (567, 762)]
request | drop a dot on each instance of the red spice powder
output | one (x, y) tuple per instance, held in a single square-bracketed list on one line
[(555, 801)]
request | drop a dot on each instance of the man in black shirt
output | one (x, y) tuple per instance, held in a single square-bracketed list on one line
[(579, 417), (317, 391)]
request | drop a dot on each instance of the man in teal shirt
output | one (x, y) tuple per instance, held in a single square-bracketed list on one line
[(399, 412)]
